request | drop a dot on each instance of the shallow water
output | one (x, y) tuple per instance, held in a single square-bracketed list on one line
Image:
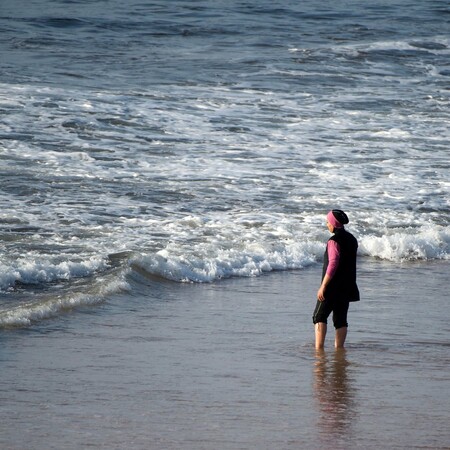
[(231, 365)]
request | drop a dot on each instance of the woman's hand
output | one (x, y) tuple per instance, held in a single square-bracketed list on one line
[(321, 294), (321, 291)]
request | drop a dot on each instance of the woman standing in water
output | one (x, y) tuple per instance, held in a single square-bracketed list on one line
[(338, 286)]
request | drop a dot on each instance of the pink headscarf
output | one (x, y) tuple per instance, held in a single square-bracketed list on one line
[(333, 221)]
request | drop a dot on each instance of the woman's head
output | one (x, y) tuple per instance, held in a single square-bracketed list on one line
[(337, 218)]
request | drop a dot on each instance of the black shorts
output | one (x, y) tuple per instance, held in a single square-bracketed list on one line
[(324, 309)]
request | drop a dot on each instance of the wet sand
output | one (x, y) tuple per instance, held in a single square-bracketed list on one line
[(231, 365)]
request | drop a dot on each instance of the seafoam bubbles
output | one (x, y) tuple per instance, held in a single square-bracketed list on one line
[(426, 242), (34, 270), (204, 251), (206, 264), (245, 244)]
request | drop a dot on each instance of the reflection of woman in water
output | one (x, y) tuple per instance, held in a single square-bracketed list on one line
[(338, 286), (335, 396)]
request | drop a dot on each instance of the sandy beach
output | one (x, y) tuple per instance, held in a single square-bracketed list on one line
[(231, 365)]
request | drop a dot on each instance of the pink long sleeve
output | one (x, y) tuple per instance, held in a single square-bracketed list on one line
[(333, 257)]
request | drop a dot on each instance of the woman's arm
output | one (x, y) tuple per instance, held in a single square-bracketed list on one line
[(333, 263)]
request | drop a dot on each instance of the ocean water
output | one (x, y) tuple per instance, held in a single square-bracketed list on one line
[(162, 146), (200, 140)]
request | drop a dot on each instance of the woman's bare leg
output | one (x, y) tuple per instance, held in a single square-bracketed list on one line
[(321, 331), (341, 334)]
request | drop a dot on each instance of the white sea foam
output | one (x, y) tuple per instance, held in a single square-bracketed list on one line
[(204, 263), (39, 270), (413, 244), (254, 251)]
